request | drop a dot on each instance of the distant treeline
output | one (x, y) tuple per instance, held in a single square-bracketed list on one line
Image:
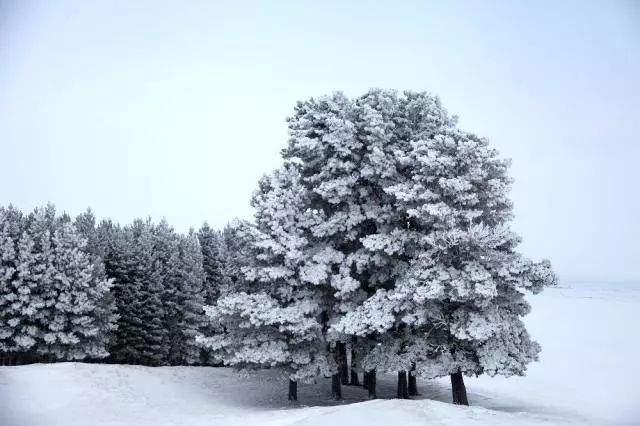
[(71, 289)]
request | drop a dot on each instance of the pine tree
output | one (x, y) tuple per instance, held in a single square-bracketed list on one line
[(105, 310), (324, 148), (212, 251), (74, 328), (270, 317), (192, 317), (11, 224), (85, 224), (131, 260), (147, 314), (167, 255), (455, 294), (408, 200), (116, 246), (33, 289), (26, 303)]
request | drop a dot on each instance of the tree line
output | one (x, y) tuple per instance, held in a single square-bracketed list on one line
[(382, 244), (71, 289)]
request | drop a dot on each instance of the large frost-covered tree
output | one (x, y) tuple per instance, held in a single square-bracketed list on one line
[(407, 241), (325, 149), (455, 296)]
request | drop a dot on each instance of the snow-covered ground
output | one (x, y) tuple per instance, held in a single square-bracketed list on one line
[(589, 373)]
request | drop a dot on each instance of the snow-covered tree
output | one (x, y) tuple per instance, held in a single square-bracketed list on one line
[(213, 263), (105, 310), (11, 224), (34, 297), (116, 249), (147, 342), (55, 297), (130, 260), (191, 302), (166, 253), (454, 295), (271, 317), (74, 326), (85, 224)]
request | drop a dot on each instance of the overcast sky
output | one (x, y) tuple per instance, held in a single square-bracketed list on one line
[(176, 109)]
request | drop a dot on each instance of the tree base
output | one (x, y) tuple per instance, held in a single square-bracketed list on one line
[(293, 390), (458, 390), (355, 381), (336, 389), (403, 392), (371, 384), (413, 385)]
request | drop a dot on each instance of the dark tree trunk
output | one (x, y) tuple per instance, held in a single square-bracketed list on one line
[(293, 390), (413, 383), (371, 384), (354, 375), (458, 389), (336, 389), (343, 367), (355, 381), (403, 392), (365, 380)]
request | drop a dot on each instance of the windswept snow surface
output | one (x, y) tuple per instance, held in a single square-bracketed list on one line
[(589, 373)]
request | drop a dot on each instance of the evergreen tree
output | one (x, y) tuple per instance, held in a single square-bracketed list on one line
[(270, 317), (131, 261), (105, 310), (35, 295), (455, 297), (11, 224), (85, 224), (398, 191), (211, 243), (148, 333), (167, 255), (115, 244), (192, 318), (74, 328)]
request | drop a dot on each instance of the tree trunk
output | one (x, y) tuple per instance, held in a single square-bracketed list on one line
[(458, 389), (413, 383), (355, 381), (354, 375), (343, 367), (365, 380), (336, 389), (293, 390), (371, 384), (402, 393)]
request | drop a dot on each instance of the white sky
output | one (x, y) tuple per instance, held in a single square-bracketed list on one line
[(175, 110)]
